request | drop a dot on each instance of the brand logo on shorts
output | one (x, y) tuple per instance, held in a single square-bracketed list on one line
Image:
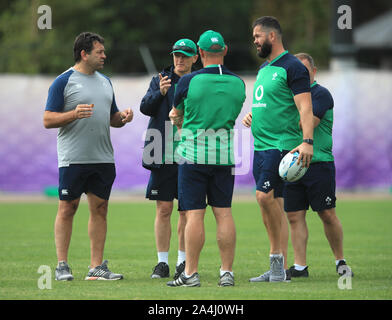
[(266, 185), (64, 192), (154, 192), (328, 200)]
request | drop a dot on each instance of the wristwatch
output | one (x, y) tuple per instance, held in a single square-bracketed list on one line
[(309, 141)]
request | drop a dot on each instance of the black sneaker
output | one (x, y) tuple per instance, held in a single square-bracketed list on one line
[(288, 275), (179, 269), (342, 268), (161, 270), (297, 274)]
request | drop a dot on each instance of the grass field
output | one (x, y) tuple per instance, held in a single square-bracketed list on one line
[(26, 238)]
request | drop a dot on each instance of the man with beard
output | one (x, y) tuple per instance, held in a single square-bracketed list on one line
[(281, 98)]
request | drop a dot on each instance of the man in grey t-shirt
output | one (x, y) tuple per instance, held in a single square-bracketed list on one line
[(81, 104)]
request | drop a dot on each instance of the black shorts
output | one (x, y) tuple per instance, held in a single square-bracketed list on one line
[(198, 182), (96, 178), (316, 188), (266, 171), (163, 183)]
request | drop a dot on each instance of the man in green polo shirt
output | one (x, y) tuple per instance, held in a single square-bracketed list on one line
[(206, 104), (281, 98)]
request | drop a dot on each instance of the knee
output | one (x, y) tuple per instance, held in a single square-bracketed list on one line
[(182, 216), (295, 217), (67, 210), (100, 209), (328, 216), (164, 210), (264, 199)]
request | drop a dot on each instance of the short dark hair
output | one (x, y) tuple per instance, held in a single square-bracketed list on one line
[(306, 56), (85, 41), (268, 22)]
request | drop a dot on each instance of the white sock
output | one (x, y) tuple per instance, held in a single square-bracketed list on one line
[(299, 267), (222, 272), (187, 275), (337, 261), (181, 257), (163, 257)]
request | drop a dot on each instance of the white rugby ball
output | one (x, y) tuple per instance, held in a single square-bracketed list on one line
[(289, 169)]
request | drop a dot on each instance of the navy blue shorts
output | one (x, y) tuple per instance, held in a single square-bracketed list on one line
[(198, 182), (163, 183), (96, 178), (316, 188), (266, 171)]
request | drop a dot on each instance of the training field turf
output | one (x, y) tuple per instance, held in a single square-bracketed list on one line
[(27, 242)]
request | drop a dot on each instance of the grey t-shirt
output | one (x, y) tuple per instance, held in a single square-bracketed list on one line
[(83, 140)]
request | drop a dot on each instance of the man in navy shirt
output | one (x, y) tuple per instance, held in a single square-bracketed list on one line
[(317, 187), (158, 154)]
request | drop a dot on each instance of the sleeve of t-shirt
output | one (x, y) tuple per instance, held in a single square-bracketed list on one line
[(322, 102), (55, 101), (298, 78), (113, 108), (181, 92)]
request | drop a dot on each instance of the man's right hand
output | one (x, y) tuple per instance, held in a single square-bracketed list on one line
[(164, 84), (305, 151), (247, 121), (83, 111)]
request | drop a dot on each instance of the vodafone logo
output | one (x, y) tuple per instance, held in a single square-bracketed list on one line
[(259, 92)]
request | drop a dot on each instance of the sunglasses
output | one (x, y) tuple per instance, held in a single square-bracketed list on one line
[(184, 48)]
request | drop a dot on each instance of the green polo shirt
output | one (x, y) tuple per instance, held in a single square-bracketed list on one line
[(275, 117), (211, 99)]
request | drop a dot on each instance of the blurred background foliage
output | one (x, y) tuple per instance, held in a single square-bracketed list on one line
[(156, 25)]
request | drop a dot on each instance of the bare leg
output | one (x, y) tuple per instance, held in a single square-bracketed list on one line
[(63, 227), (97, 227), (162, 225), (181, 230), (225, 236), (271, 213), (333, 231), (284, 233), (299, 235), (194, 239)]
